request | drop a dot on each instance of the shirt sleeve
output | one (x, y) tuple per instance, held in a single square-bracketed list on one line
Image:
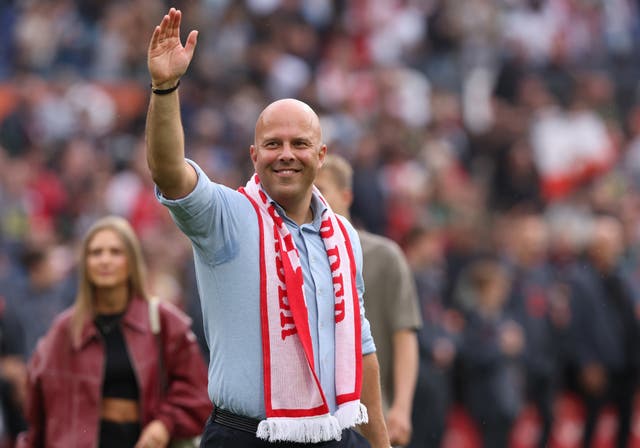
[(207, 216), (193, 211)]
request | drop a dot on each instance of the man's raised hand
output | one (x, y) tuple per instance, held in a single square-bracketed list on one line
[(167, 59)]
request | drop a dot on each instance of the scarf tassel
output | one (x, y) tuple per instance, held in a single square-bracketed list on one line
[(351, 414), (301, 429)]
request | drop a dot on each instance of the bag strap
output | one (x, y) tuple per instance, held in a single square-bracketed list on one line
[(154, 315), (156, 330)]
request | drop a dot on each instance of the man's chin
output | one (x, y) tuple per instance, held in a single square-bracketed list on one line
[(286, 196)]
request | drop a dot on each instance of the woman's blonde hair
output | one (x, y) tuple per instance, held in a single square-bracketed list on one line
[(84, 306)]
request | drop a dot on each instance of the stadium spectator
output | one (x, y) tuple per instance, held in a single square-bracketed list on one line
[(605, 329), (439, 339), (491, 353)]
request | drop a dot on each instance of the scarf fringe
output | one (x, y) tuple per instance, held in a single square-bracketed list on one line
[(351, 414), (300, 429)]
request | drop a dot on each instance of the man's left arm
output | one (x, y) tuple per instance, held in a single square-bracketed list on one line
[(376, 430)]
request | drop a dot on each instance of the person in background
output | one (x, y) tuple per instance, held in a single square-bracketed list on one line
[(438, 340), (604, 329), (391, 303), (94, 377), (491, 353), (44, 292), (280, 278), (536, 303)]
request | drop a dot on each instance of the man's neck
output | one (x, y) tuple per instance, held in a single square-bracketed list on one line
[(301, 212), (303, 217)]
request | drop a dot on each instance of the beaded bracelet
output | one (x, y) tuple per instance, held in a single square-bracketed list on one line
[(165, 91)]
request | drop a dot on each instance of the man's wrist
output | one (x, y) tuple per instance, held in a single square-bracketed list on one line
[(162, 90)]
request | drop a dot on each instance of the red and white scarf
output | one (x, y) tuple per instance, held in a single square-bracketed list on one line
[(295, 405)]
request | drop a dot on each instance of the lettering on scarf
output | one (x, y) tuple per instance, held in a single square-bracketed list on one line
[(327, 230), (287, 324)]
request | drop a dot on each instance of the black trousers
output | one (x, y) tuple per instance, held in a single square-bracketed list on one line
[(541, 391), (432, 401), (118, 435), (620, 393), (216, 435)]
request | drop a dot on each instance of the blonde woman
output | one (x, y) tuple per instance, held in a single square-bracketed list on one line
[(96, 379)]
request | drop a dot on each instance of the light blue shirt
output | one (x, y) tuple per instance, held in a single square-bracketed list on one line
[(223, 228)]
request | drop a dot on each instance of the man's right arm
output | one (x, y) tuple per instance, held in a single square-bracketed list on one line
[(168, 60)]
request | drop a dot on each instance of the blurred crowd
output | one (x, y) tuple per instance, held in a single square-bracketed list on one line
[(498, 141)]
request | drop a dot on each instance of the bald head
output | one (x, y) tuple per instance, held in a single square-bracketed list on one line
[(288, 110)]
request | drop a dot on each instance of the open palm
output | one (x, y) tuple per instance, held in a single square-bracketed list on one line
[(167, 58)]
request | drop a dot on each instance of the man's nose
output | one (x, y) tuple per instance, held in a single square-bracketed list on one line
[(287, 151)]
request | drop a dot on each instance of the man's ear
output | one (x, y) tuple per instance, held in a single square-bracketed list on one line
[(253, 153), (322, 154)]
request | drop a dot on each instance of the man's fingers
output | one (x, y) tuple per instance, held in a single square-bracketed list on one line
[(155, 37), (164, 24), (166, 57), (190, 45), (175, 17)]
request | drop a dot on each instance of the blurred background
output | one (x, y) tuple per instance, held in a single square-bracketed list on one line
[(479, 130)]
